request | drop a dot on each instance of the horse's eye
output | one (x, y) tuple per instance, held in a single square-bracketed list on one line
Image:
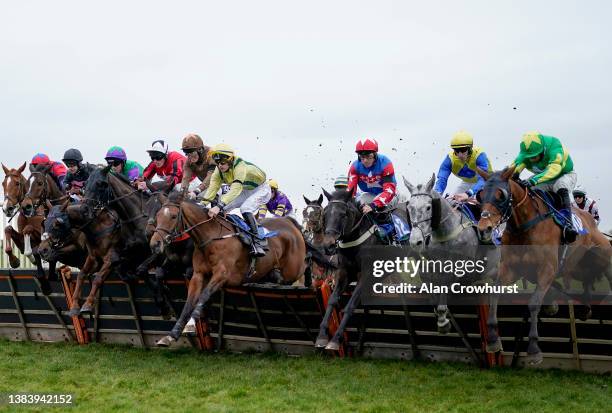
[(428, 207)]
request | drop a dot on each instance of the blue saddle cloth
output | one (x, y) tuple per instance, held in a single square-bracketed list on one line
[(558, 216), (243, 226), (465, 210), (399, 227)]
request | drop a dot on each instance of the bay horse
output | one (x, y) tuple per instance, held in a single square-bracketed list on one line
[(102, 230), (313, 225), (220, 258), (27, 236), (529, 223), (43, 188)]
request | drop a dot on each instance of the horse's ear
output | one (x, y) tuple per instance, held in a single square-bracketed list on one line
[(408, 185), (6, 170), (49, 204), (169, 187), (429, 185), (306, 199), (22, 168), (320, 199), (327, 194), (485, 175), (507, 173)]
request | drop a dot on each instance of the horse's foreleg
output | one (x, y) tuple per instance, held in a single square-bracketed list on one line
[(494, 343), (213, 286), (441, 312), (534, 353), (196, 284), (334, 344), (334, 298), (45, 287), (108, 262), (87, 268), (10, 236)]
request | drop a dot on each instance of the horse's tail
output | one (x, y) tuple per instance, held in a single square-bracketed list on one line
[(313, 252)]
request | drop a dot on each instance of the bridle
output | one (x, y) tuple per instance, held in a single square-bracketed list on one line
[(434, 219), (45, 191), (314, 225)]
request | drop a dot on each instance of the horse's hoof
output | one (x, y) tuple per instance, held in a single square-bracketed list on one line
[(321, 342), (551, 310), (74, 312), (495, 346), (445, 328), (164, 341), (534, 359), (86, 309), (14, 262), (332, 346)]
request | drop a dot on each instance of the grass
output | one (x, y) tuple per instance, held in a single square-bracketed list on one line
[(117, 378)]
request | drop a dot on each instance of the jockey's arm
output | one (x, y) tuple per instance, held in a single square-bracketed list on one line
[(280, 210), (353, 179), (443, 174), (552, 171), (213, 188), (388, 193)]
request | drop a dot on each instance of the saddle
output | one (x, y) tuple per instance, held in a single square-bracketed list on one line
[(244, 233), (391, 226)]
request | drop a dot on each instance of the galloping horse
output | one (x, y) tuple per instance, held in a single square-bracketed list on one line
[(15, 187), (102, 231), (43, 188), (344, 222), (220, 258), (437, 225), (529, 222)]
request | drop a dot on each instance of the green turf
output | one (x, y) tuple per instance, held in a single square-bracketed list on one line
[(116, 378)]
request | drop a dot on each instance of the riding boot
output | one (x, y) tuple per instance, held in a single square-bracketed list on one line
[(569, 232), (259, 244)]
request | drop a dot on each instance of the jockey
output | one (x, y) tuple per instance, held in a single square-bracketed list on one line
[(587, 204), (57, 170), (553, 170), (165, 164), (341, 183), (279, 205), (462, 162), (374, 175), (199, 162), (78, 172), (117, 159), (248, 190)]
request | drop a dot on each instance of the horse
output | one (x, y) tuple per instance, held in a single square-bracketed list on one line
[(437, 225), (106, 189), (43, 187), (529, 222), (102, 231), (312, 220), (221, 258), (344, 223), (15, 186)]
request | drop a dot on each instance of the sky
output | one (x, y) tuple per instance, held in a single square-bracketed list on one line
[(293, 85)]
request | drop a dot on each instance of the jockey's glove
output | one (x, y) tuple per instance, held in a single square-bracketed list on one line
[(524, 183)]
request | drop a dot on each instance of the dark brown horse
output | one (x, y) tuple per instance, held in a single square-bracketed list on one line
[(530, 223), (313, 223), (102, 230), (221, 259)]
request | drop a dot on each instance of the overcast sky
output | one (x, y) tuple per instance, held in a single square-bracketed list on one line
[(293, 85)]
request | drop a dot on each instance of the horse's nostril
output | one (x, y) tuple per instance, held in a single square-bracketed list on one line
[(489, 228)]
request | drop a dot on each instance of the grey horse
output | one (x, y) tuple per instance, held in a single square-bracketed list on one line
[(436, 223)]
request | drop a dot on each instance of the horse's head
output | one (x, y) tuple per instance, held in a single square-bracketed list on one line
[(340, 215), (40, 183), (98, 190), (15, 187), (313, 215), (57, 230), (424, 212), (152, 207), (169, 223), (496, 200)]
